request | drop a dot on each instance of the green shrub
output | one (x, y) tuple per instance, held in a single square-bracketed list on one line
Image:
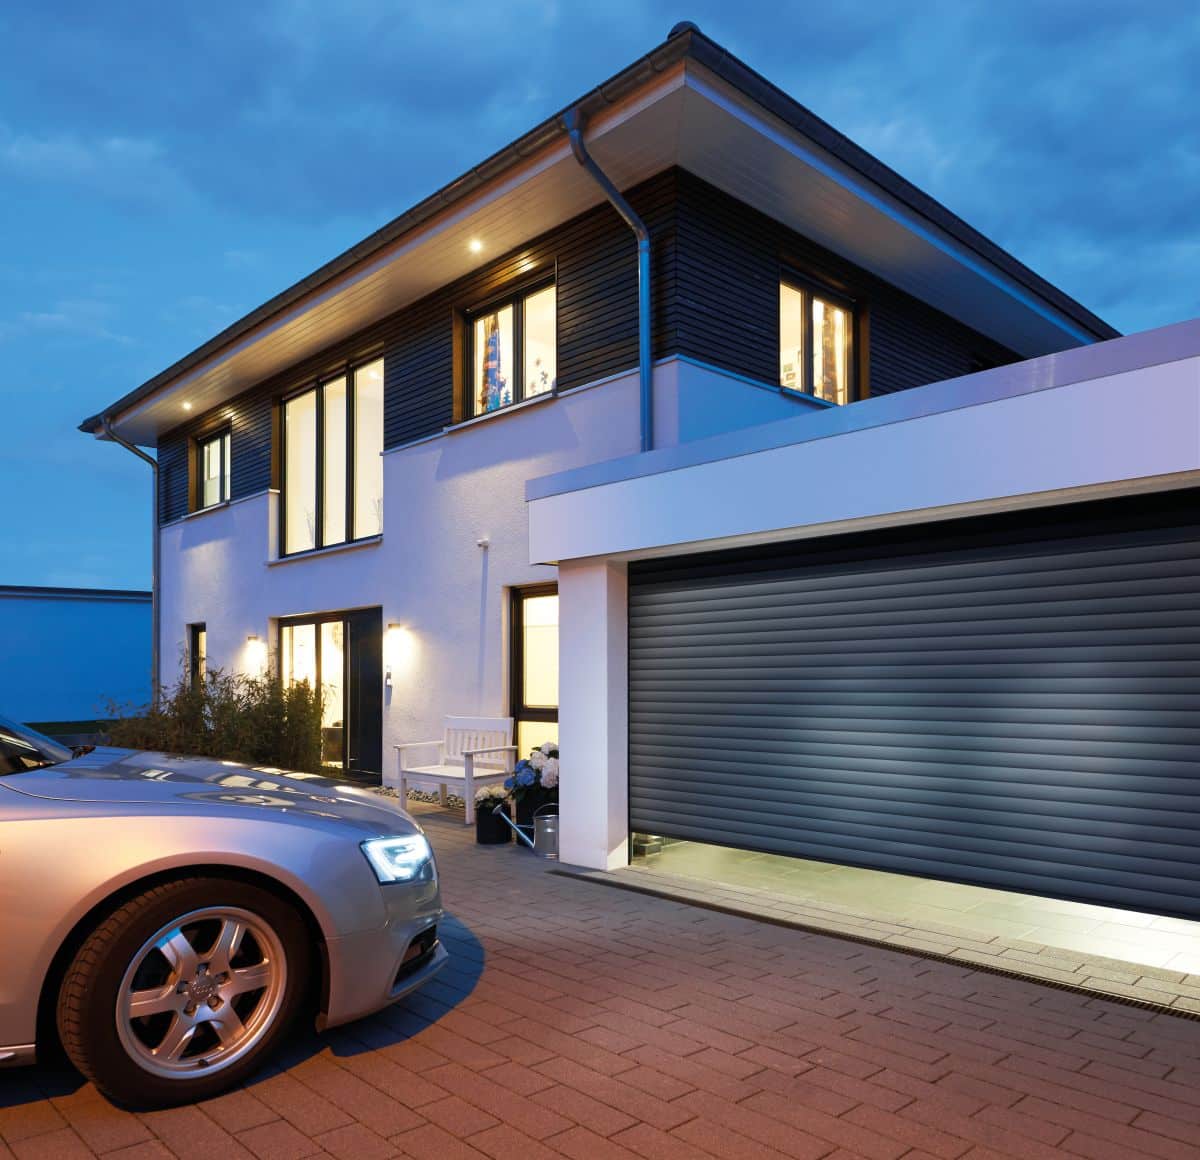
[(255, 720)]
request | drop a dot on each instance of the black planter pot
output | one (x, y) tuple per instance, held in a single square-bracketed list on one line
[(531, 800), (489, 829)]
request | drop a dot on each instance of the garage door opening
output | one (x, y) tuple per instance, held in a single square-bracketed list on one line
[(933, 904), (1010, 703)]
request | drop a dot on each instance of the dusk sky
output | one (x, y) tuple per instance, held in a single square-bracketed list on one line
[(164, 168)]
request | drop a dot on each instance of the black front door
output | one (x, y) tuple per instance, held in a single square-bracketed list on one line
[(364, 693), (342, 654)]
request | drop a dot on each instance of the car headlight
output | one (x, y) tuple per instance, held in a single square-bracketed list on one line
[(400, 859)]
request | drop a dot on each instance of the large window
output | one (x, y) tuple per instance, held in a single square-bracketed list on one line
[(332, 464), (816, 343), (512, 351), (535, 666), (214, 469)]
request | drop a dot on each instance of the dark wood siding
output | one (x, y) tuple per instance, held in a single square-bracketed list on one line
[(249, 417), (729, 258), (595, 264), (716, 267)]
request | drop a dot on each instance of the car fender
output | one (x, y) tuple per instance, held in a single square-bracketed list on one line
[(56, 870)]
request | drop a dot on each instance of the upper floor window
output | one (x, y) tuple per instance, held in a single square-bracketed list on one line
[(512, 351), (215, 467), (816, 343), (332, 465)]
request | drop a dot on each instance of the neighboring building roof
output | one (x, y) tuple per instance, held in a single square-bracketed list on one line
[(38, 592), (685, 43)]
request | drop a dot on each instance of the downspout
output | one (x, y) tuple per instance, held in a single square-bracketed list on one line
[(155, 610), (573, 121)]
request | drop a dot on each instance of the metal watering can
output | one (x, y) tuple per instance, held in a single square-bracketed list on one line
[(545, 829)]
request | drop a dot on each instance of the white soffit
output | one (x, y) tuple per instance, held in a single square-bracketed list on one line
[(748, 153), (685, 117)]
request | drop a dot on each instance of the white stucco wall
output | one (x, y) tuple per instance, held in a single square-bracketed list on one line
[(911, 457), (441, 496)]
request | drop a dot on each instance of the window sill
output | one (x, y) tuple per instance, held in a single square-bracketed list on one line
[(500, 412), (807, 397), (332, 550), (212, 507)]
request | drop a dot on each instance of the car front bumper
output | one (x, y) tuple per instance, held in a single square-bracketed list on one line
[(369, 969)]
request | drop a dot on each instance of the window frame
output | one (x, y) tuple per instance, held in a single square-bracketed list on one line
[(197, 658), (517, 708), (224, 434), (514, 296), (347, 372), (810, 288)]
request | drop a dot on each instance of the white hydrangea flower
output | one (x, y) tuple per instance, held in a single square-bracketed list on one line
[(549, 747), (538, 760), (550, 774), (490, 793)]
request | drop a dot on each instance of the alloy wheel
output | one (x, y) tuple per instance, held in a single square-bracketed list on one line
[(201, 992)]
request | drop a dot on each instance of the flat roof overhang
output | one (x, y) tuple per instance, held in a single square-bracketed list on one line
[(1116, 418), (671, 109)]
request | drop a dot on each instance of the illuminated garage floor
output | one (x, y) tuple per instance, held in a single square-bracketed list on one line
[(1129, 936)]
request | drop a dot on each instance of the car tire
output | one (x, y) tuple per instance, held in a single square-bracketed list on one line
[(184, 990)]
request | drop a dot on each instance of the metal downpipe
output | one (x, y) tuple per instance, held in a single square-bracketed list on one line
[(155, 610), (573, 121)]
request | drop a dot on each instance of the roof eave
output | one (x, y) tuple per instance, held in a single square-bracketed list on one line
[(687, 44)]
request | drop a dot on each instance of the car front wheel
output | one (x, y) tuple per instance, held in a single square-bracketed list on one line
[(183, 990)]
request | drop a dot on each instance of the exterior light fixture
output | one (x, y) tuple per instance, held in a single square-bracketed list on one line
[(187, 406), (475, 246), (256, 651), (399, 651)]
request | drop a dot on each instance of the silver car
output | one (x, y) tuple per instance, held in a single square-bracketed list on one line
[(166, 919)]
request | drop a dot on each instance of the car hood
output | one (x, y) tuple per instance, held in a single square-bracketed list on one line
[(133, 777)]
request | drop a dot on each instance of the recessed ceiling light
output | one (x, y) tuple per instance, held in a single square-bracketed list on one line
[(476, 245), (187, 406)]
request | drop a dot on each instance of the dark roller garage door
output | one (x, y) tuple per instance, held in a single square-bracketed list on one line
[(1013, 702)]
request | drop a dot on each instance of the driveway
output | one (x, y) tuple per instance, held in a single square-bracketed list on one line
[(583, 1021)]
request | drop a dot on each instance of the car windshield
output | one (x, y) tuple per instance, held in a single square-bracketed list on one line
[(22, 749)]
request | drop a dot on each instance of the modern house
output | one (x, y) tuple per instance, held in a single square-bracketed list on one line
[(844, 548), (66, 654)]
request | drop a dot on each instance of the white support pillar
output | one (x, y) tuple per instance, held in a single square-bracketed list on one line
[(593, 714)]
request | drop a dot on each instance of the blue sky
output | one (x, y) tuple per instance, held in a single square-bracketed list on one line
[(164, 168)]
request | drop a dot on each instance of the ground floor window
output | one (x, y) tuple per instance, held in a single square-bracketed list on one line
[(197, 654), (535, 665), (340, 653)]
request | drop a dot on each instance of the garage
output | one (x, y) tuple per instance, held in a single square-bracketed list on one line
[(1010, 701)]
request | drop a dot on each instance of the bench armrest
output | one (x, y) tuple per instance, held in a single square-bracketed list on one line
[(490, 749), (404, 747)]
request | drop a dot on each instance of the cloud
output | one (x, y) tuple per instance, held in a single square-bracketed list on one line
[(129, 169), (88, 318)]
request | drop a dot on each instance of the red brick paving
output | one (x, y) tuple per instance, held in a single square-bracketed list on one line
[(591, 1023)]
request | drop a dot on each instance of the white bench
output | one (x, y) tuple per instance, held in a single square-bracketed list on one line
[(474, 751)]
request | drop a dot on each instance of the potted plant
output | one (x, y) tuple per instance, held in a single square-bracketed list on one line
[(489, 829), (534, 782)]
